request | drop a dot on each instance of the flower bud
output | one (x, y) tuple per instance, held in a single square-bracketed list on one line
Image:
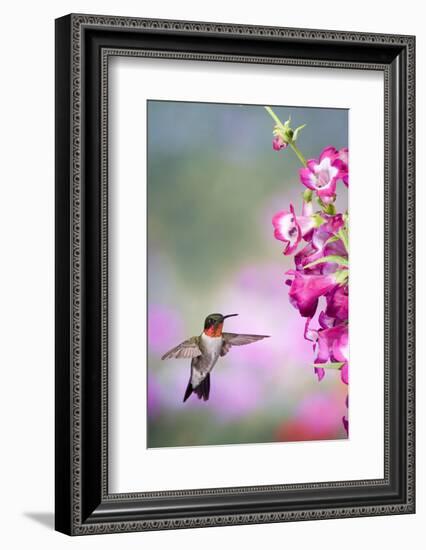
[(278, 143)]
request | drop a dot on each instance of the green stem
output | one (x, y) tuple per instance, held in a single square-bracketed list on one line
[(333, 258), (298, 153), (344, 238), (274, 116), (291, 143)]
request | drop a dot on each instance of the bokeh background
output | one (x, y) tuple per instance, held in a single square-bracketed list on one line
[(214, 183)]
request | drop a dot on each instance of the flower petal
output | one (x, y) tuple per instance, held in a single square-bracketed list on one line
[(329, 152), (344, 373), (278, 143), (320, 372), (287, 229), (338, 303), (307, 177), (290, 228), (321, 175), (306, 289)]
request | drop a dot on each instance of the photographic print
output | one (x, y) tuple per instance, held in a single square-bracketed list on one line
[(204, 309), (248, 274)]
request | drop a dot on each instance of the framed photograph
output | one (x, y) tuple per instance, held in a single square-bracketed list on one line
[(234, 274)]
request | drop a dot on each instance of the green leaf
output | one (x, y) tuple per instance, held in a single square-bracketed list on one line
[(343, 235), (332, 258), (317, 219), (307, 195), (336, 366), (327, 208), (332, 239), (342, 276), (274, 116), (297, 131)]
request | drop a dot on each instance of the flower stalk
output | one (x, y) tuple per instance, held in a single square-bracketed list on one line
[(321, 262), (287, 134)]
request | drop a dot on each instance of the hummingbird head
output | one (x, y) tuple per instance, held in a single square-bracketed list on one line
[(214, 323)]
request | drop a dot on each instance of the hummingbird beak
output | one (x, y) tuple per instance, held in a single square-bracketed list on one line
[(231, 315)]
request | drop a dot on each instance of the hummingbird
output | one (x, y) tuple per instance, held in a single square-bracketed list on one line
[(205, 350)]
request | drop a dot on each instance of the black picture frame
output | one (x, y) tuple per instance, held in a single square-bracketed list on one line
[(83, 46)]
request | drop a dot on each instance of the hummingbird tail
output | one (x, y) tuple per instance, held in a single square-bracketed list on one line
[(188, 391), (202, 390)]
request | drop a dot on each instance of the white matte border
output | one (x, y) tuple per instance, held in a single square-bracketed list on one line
[(133, 467)]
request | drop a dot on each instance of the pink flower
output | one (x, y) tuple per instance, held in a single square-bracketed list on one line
[(321, 266), (344, 373), (319, 247), (320, 372), (307, 255), (326, 230), (338, 303), (321, 175), (290, 228), (332, 345), (345, 418), (306, 289), (324, 320), (278, 143), (343, 156)]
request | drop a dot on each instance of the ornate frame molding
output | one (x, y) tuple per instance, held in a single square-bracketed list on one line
[(73, 51)]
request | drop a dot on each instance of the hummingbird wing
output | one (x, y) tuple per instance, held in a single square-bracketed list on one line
[(231, 339), (186, 350)]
